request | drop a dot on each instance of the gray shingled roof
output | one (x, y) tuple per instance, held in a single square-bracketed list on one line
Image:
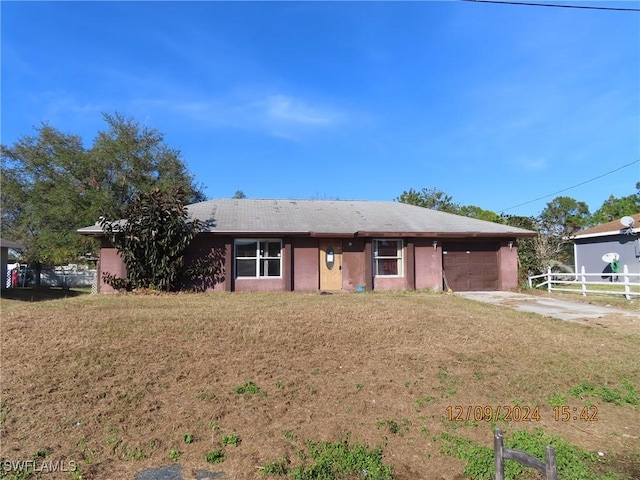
[(339, 217)]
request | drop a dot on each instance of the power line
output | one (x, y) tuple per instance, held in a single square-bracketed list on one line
[(535, 4), (574, 186)]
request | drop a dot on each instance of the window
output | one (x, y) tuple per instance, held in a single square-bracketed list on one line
[(387, 258), (258, 258)]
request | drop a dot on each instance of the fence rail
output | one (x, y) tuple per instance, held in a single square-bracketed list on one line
[(547, 468), (62, 278), (622, 283)]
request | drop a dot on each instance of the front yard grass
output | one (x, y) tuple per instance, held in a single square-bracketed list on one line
[(115, 383)]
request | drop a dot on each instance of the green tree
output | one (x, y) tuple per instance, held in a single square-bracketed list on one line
[(559, 221), (46, 195), (472, 211), (563, 217), (615, 208), (52, 185), (239, 194), (152, 240), (129, 158), (429, 198), (528, 260)]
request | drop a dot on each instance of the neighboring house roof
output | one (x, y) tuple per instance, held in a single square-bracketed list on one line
[(610, 228), (335, 218), (9, 244)]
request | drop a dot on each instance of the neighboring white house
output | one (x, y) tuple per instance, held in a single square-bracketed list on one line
[(596, 247)]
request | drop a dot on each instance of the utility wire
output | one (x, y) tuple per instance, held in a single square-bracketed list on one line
[(533, 4), (574, 186)]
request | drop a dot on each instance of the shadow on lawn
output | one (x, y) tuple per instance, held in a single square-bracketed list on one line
[(30, 294)]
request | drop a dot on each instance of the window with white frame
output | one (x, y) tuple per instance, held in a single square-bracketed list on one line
[(387, 258), (258, 258)]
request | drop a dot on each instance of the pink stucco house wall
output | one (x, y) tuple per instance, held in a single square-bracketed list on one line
[(310, 245)]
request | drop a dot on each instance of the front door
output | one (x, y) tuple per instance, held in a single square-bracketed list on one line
[(331, 265)]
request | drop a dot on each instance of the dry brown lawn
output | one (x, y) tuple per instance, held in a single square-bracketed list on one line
[(114, 383)]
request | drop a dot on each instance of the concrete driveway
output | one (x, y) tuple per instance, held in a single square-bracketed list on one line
[(579, 312)]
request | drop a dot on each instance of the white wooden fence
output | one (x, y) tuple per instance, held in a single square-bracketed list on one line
[(63, 277), (622, 283)]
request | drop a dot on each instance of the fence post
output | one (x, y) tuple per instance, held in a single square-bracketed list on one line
[(551, 469), (549, 280), (584, 281), (498, 447), (627, 282)]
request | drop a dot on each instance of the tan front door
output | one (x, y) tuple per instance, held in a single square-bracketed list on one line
[(330, 264)]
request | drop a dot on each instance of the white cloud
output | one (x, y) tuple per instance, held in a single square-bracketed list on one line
[(530, 164), (280, 115), (287, 109)]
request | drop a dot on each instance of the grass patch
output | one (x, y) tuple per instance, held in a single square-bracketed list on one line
[(326, 461), (215, 456), (249, 389), (394, 427), (448, 384), (573, 462), (127, 376), (421, 402), (626, 394), (232, 440), (557, 399)]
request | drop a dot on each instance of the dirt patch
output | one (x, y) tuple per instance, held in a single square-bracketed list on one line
[(115, 383)]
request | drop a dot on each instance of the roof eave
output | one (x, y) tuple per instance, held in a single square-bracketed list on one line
[(610, 233), (446, 234)]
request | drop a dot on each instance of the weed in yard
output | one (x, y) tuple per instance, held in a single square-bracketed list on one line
[(626, 394), (19, 471), (478, 375), (395, 427), (214, 456), (359, 386), (449, 425), (276, 467), (230, 440), (325, 460), (573, 463), (279, 384), (188, 438), (290, 435), (90, 456), (174, 455), (134, 453), (557, 399), (421, 402), (206, 396), (447, 384), (75, 473), (248, 389)]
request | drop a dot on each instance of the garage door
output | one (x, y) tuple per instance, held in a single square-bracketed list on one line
[(471, 266)]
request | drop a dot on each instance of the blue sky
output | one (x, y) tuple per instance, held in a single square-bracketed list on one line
[(496, 105)]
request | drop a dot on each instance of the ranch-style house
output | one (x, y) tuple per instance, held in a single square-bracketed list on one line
[(310, 245)]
